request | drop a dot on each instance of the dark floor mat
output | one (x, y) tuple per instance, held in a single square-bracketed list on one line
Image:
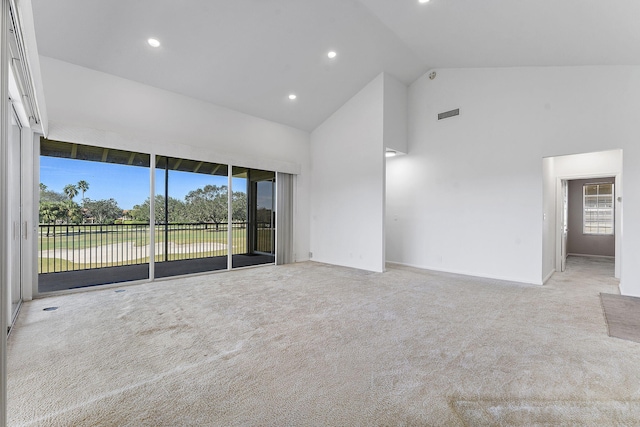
[(623, 316)]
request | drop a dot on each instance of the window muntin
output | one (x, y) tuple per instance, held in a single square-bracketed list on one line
[(598, 208)]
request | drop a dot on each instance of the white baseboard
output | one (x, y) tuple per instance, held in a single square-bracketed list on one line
[(624, 291), (465, 273), (593, 256), (548, 276)]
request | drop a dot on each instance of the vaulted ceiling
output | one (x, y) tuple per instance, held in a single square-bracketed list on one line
[(249, 55)]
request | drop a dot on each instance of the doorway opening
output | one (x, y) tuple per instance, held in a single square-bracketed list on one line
[(582, 210), (588, 220)]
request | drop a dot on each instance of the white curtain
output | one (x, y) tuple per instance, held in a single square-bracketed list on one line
[(284, 218)]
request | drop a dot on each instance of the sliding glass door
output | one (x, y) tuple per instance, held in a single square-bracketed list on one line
[(191, 210), (15, 219), (265, 216), (94, 216), (253, 217), (98, 224)]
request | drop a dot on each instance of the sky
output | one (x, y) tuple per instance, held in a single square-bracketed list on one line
[(128, 185)]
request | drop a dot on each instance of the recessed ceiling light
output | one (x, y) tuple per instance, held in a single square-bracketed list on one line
[(293, 96), (390, 153), (332, 54), (423, 1), (153, 42)]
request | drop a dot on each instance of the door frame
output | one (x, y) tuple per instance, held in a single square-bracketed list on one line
[(4, 220), (563, 229), (617, 216)]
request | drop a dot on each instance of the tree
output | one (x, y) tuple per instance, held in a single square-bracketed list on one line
[(207, 204), (70, 212), (49, 212), (103, 211), (203, 205), (82, 186), (140, 213), (50, 196), (177, 210), (239, 206), (70, 190), (264, 216)]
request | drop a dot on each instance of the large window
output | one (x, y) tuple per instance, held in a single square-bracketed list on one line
[(96, 213), (598, 208)]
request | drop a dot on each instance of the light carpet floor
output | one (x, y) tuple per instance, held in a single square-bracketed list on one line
[(311, 344)]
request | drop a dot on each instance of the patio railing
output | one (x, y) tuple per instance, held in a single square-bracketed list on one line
[(69, 247)]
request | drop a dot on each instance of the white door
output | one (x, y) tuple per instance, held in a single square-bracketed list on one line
[(564, 227), (15, 204)]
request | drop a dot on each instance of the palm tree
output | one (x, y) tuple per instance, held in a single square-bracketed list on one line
[(82, 186), (70, 211), (70, 190), (43, 188), (49, 212)]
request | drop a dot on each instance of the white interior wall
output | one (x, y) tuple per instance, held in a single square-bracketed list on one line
[(95, 108), (395, 114), (468, 197), (347, 183)]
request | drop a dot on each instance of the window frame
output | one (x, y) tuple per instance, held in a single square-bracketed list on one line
[(598, 209)]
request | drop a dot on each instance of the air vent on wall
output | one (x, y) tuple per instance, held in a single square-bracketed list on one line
[(448, 114)]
